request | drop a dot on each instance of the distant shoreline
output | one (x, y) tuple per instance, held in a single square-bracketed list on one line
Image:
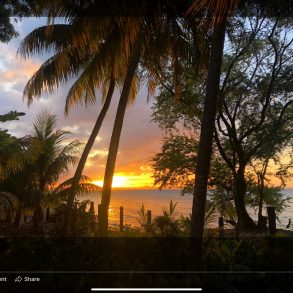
[(154, 188)]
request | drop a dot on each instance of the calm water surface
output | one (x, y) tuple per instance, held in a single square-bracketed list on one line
[(156, 201)]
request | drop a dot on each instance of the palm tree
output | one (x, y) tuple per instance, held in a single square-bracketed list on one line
[(100, 61), (22, 186), (77, 176), (114, 143), (13, 151), (154, 41), (207, 130), (218, 11), (100, 49), (8, 202), (53, 160), (15, 154)]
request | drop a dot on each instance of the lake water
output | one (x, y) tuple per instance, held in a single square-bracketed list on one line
[(156, 201)]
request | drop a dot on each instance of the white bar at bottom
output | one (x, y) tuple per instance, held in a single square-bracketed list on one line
[(147, 289)]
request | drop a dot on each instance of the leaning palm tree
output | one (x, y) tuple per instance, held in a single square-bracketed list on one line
[(100, 63), (68, 63), (115, 138), (153, 41)]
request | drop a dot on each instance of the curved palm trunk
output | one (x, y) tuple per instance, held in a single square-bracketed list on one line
[(206, 137), (114, 144), (84, 156)]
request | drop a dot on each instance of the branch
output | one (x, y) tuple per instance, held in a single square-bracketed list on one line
[(222, 151), (269, 89)]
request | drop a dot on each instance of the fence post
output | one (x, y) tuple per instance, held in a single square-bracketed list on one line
[(221, 227), (121, 219), (92, 208), (99, 216), (272, 220), (262, 222), (48, 215), (149, 221)]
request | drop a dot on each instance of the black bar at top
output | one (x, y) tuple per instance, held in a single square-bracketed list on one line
[(136, 8)]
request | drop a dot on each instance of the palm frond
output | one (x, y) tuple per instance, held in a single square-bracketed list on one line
[(170, 212), (44, 124), (60, 163), (92, 76), (42, 39), (56, 70), (7, 200), (15, 154), (213, 9), (210, 215), (84, 187), (55, 156)]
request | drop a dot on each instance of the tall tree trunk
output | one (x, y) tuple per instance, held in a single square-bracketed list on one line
[(114, 144), (84, 156), (206, 136), (240, 187)]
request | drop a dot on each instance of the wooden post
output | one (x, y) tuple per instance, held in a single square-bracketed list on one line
[(121, 219), (262, 222), (92, 208), (272, 220), (221, 227), (48, 215), (99, 212), (99, 216), (149, 221)]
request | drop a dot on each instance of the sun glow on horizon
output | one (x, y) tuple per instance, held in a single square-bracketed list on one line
[(129, 181)]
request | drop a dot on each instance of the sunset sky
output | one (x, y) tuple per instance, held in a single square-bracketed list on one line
[(140, 138)]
